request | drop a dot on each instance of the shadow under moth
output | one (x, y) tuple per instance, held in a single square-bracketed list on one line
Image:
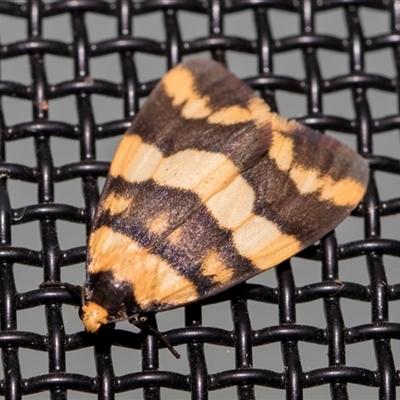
[(207, 189)]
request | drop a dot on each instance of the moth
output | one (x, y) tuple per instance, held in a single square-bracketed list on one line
[(207, 189)]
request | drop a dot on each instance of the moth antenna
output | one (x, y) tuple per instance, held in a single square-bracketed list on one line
[(156, 333), (74, 289), (83, 289)]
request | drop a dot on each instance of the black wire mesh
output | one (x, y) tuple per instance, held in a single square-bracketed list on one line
[(335, 337)]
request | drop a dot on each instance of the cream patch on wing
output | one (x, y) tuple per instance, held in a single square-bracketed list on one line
[(228, 196), (152, 278), (263, 243), (254, 237), (307, 180), (234, 204), (203, 172)]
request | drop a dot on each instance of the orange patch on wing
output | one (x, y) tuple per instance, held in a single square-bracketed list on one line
[(158, 224), (259, 110), (175, 237), (230, 115), (214, 267), (179, 84), (116, 204), (261, 114), (344, 192), (281, 124), (135, 160), (281, 150), (153, 279), (156, 282)]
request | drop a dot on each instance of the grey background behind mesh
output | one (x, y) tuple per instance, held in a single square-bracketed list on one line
[(107, 109)]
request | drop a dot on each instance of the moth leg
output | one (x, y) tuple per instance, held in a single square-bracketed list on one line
[(154, 332)]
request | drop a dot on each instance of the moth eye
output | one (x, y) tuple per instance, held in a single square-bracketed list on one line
[(142, 319)]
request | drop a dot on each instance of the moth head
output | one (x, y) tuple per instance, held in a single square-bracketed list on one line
[(94, 316)]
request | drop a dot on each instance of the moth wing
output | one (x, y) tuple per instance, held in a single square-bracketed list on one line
[(300, 190), (186, 143), (209, 188)]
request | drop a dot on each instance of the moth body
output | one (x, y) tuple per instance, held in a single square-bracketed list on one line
[(207, 189)]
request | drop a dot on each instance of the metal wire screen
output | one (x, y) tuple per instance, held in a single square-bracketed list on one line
[(270, 353)]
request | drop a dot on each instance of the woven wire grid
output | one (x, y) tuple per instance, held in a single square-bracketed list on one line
[(246, 374)]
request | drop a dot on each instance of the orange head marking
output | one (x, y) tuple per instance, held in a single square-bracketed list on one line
[(94, 316)]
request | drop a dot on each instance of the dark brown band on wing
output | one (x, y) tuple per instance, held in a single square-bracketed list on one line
[(197, 244), (325, 154), (161, 123), (152, 211), (299, 215), (198, 249), (223, 89)]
